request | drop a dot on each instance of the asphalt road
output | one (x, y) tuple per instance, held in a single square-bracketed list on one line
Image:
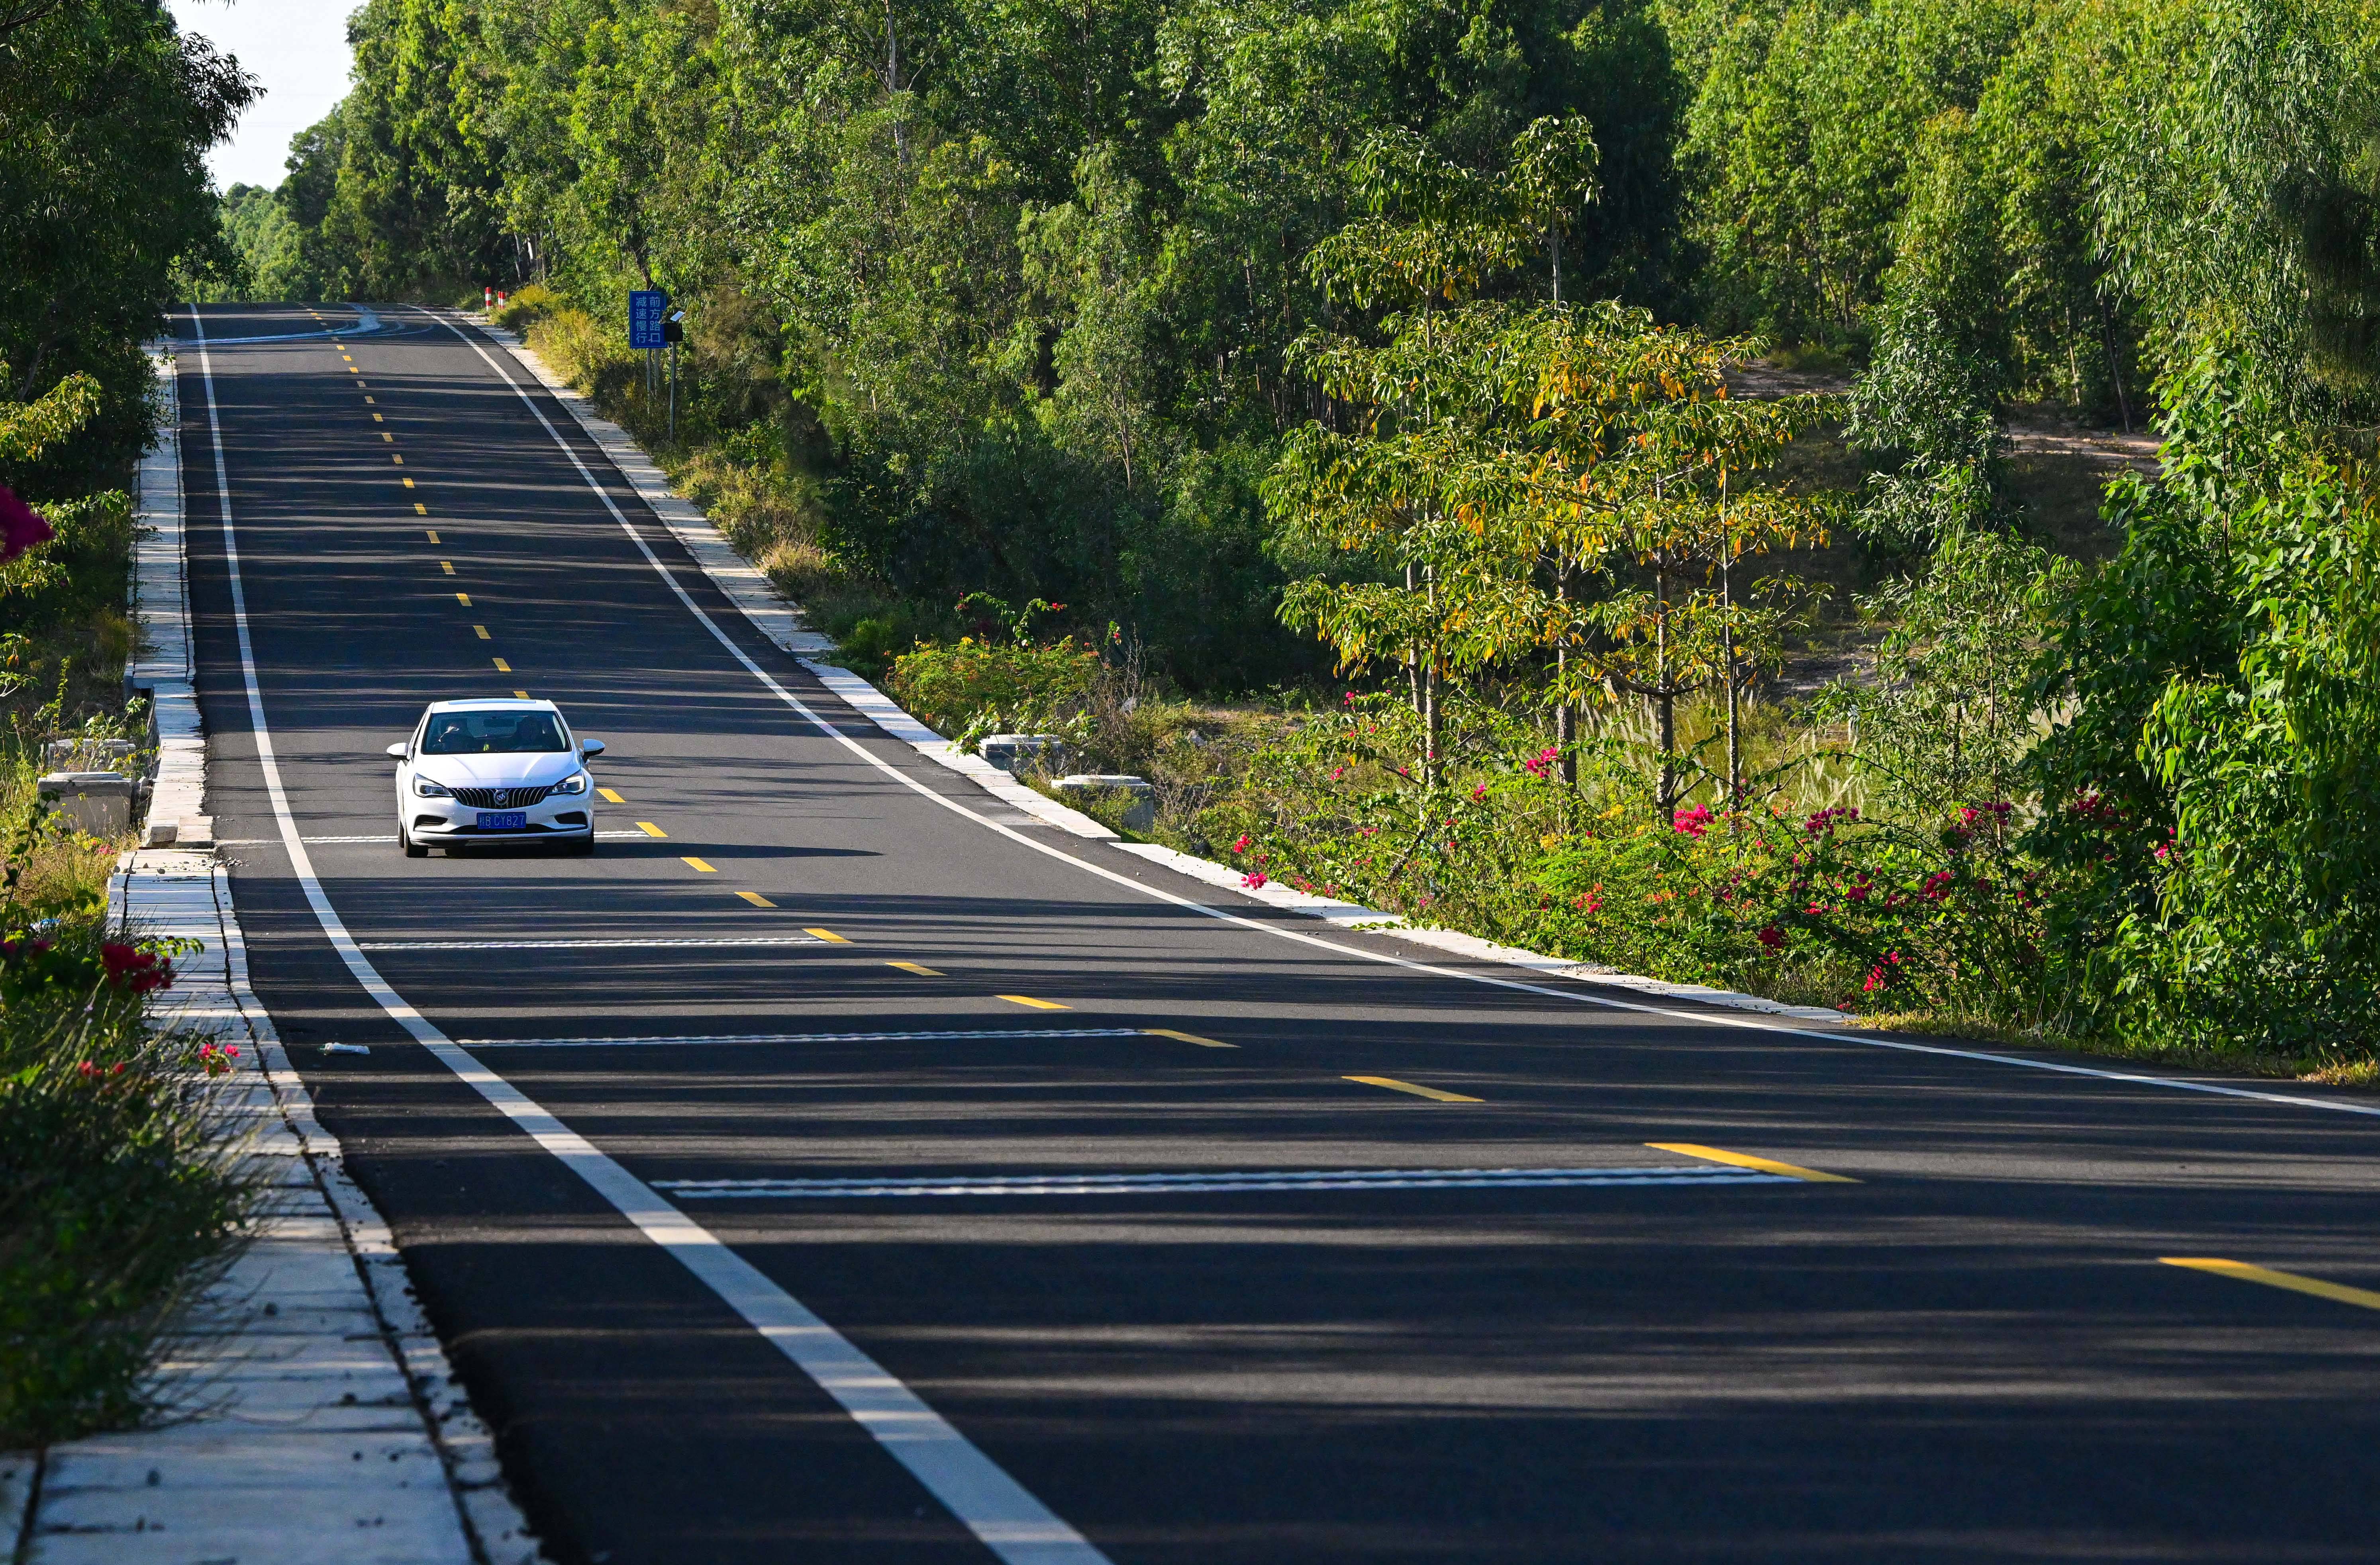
[(1969, 1350)]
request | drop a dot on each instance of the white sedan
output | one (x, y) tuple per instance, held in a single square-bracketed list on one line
[(481, 772)]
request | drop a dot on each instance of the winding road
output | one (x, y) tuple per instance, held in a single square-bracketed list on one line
[(842, 1165)]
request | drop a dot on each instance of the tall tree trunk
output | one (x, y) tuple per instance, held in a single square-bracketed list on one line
[(1413, 659), (1665, 699), (1565, 708), (1429, 712), (1734, 740), (1727, 651)]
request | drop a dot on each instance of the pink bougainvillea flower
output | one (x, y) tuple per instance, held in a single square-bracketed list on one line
[(1253, 879), (1241, 845), (1773, 938), (132, 968), (20, 525), (1691, 822)]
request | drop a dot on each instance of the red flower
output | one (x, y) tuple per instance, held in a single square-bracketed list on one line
[(1773, 938), (1253, 879), (1691, 822), (129, 968), (1938, 885), (20, 525), (1242, 845)]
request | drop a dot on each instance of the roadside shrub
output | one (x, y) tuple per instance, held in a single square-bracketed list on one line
[(973, 687), (591, 358), (525, 308), (1812, 906), (120, 1194)]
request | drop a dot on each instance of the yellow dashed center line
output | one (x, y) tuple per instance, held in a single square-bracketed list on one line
[(446, 565), (501, 666), (1395, 1085), (462, 598), (479, 630), (408, 483), (1187, 1037), (647, 827), (610, 797), (918, 967), (370, 402), (433, 535), (520, 694), (705, 868), (2336, 1292), (1742, 1161), (756, 899), (828, 935), (1036, 1004), (396, 459), (420, 509), (376, 418), (385, 435)]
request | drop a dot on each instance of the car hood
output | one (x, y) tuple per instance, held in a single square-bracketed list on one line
[(497, 770)]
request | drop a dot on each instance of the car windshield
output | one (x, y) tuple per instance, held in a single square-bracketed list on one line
[(491, 734)]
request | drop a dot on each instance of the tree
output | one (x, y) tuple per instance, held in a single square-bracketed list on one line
[(105, 112)]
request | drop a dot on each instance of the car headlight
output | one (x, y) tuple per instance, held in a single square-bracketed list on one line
[(429, 790), (574, 783)]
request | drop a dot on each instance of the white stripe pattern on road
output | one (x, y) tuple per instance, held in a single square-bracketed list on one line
[(391, 836), (581, 945), (700, 1040), (1182, 1184), (977, 1491)]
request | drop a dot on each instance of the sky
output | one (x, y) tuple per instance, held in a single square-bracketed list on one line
[(299, 48)]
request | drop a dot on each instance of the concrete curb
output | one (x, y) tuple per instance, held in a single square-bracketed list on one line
[(163, 667), (750, 590)]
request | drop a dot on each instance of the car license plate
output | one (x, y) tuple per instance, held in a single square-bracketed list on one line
[(504, 821)]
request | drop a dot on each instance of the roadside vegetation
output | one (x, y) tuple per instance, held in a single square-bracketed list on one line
[(120, 1194), (1864, 501)]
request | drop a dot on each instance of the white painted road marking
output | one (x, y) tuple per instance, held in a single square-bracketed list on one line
[(1180, 1183), (1278, 931), (387, 837), (700, 1040), (1011, 1522), (577, 945)]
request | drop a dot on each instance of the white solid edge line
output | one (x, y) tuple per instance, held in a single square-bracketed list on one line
[(1163, 895), (998, 1510)]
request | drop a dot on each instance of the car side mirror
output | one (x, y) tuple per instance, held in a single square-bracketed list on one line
[(591, 747), (396, 751)]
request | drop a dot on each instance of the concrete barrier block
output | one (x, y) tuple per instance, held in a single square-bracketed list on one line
[(1139, 800), (1014, 752), (98, 802)]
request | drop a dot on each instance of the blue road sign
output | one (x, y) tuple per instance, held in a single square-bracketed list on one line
[(646, 309)]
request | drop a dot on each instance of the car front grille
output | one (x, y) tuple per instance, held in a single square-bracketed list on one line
[(500, 798)]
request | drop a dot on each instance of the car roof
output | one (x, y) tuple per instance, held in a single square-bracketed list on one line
[(495, 704)]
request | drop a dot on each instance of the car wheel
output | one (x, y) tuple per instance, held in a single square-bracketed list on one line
[(412, 848), (585, 846)]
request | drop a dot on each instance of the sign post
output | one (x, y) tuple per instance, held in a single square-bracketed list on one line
[(673, 333)]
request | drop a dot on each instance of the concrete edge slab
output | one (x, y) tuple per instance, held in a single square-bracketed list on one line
[(750, 590)]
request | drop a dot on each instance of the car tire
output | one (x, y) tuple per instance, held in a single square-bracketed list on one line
[(412, 848), (585, 846)]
